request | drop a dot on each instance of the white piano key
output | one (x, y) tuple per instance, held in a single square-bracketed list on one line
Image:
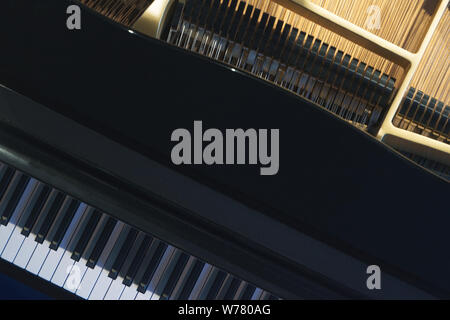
[(6, 231), (225, 286), (183, 278), (104, 282), (30, 245), (159, 272), (42, 249), (90, 278), (207, 268), (63, 270), (38, 257), (54, 256), (115, 290), (80, 267), (257, 294), (26, 251), (207, 284), (117, 287), (14, 244), (165, 275), (16, 239), (129, 293), (157, 275), (76, 275), (240, 290), (66, 263), (264, 296), (101, 286), (95, 236), (51, 263)]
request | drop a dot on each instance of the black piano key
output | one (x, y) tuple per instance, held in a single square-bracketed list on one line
[(225, 285), (248, 292), (6, 180), (151, 268), (216, 285), (14, 200), (192, 278), (137, 261), (101, 242), (86, 235), (50, 218), (64, 224), (123, 253), (231, 292), (36, 210), (174, 276)]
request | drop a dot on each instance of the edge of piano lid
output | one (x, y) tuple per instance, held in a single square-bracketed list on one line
[(205, 215), (415, 131)]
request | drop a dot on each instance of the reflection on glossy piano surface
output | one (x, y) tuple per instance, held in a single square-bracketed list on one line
[(91, 205)]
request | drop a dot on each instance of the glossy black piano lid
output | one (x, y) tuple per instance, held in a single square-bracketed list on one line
[(335, 182)]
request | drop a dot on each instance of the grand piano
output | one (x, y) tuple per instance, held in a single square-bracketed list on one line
[(93, 207)]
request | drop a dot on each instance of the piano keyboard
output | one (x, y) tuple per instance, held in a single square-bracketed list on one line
[(95, 256)]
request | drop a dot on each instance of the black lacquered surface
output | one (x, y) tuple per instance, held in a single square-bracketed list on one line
[(335, 182)]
